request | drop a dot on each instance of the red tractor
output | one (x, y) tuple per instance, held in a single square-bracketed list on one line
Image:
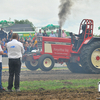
[(82, 55)]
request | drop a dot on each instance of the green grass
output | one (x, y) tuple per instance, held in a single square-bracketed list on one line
[(56, 84)]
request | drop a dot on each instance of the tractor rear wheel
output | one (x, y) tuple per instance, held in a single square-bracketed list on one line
[(75, 67), (90, 58), (32, 65), (46, 62)]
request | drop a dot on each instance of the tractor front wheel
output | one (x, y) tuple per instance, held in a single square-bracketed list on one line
[(46, 62)]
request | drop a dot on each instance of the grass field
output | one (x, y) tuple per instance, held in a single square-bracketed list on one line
[(56, 84)]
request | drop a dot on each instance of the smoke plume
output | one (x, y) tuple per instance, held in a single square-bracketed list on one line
[(64, 11)]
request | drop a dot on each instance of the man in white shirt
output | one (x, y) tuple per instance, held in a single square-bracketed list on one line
[(15, 51), (1, 53)]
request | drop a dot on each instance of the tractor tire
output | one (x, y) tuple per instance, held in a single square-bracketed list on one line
[(32, 65), (90, 58), (75, 67), (46, 62)]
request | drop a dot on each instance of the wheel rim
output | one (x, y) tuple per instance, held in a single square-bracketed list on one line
[(34, 63), (47, 62), (95, 58)]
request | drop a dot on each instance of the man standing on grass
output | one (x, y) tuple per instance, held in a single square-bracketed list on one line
[(1, 53), (15, 51)]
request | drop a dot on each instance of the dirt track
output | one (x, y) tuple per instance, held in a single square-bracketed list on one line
[(63, 74), (61, 94)]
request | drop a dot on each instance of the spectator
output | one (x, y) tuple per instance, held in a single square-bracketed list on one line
[(7, 40), (15, 51), (1, 53), (39, 34), (27, 43), (57, 32), (29, 40), (2, 34), (30, 45), (5, 51), (45, 34), (26, 47), (10, 34), (0, 42), (26, 39), (5, 44), (22, 40), (35, 36), (33, 47), (3, 40), (30, 36), (5, 35), (63, 35), (52, 34), (2, 45), (35, 40)]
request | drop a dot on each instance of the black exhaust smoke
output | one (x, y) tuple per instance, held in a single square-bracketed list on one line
[(64, 7)]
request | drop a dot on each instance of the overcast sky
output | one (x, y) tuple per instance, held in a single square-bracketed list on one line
[(44, 12)]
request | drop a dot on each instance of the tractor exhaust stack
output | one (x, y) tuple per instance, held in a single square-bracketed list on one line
[(59, 34)]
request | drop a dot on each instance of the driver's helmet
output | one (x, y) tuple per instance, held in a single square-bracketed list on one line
[(83, 27)]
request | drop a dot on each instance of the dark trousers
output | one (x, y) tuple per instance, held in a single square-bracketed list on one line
[(14, 69), (0, 75)]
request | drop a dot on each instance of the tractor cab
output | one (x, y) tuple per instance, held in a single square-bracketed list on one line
[(87, 27), (85, 33)]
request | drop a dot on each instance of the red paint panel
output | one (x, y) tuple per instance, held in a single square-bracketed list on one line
[(57, 39), (87, 40), (61, 50), (60, 57), (36, 57)]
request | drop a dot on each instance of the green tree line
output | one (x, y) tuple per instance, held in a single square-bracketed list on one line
[(24, 22)]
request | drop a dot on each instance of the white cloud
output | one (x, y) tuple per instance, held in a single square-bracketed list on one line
[(84, 9), (43, 12)]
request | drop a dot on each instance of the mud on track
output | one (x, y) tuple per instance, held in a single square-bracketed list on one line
[(50, 75), (61, 94)]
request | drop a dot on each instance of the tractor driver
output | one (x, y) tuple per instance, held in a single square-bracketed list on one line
[(79, 39), (81, 36)]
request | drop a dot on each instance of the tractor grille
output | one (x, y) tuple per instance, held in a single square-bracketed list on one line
[(39, 43)]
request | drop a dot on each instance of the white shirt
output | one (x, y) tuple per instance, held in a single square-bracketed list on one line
[(0, 55), (15, 49)]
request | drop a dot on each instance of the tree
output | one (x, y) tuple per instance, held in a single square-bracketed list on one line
[(24, 22)]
